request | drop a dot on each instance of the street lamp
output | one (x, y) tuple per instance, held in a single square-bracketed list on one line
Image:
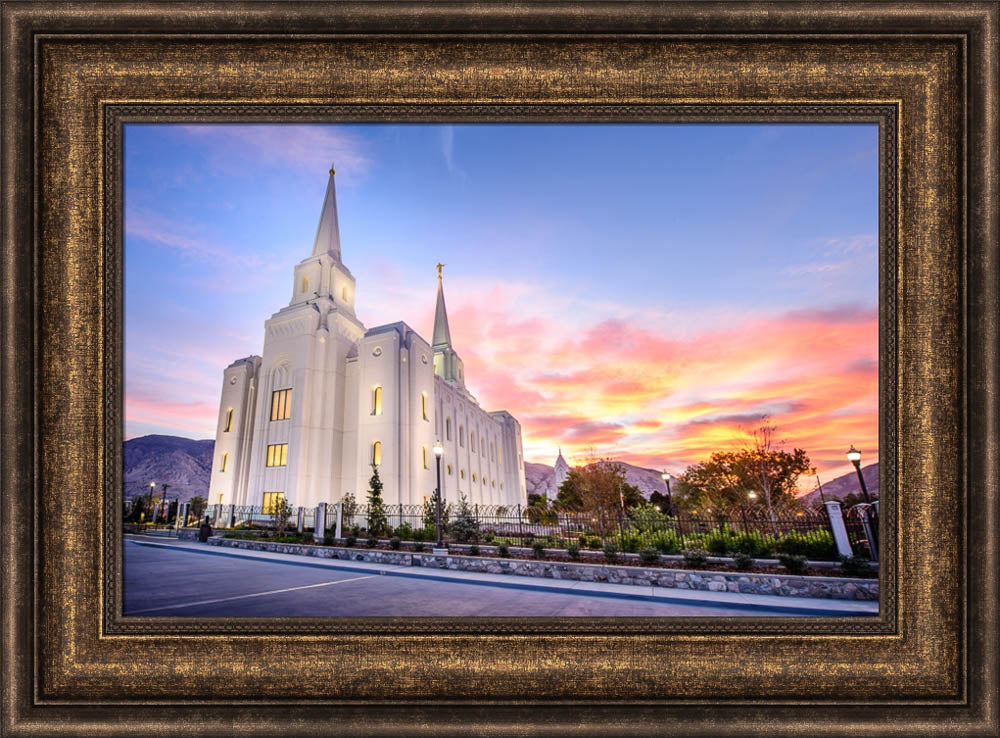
[(670, 497), (752, 496), (855, 457), (151, 486), (438, 453)]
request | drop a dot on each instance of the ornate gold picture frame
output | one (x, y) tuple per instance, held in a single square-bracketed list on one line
[(74, 75)]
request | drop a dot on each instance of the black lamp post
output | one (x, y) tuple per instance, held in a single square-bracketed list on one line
[(166, 505), (855, 456), (670, 497), (150, 505), (438, 453)]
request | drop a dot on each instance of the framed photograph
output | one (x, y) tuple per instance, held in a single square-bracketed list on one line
[(448, 369)]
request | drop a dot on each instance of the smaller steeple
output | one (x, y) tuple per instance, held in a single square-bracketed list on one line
[(447, 363), (328, 232), (442, 334)]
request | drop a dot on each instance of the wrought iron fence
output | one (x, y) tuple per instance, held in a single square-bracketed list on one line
[(861, 522)]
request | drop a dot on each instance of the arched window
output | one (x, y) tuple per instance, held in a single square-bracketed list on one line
[(493, 451), (376, 453), (423, 405), (449, 469), (229, 420), (472, 442), (225, 462), (461, 436), (473, 476), (447, 429), (423, 449), (343, 294), (461, 473), (377, 401), (305, 284), (500, 454)]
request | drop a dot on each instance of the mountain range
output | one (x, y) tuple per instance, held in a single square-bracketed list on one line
[(186, 465)]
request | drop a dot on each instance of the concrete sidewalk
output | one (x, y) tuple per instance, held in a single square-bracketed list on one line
[(792, 606)]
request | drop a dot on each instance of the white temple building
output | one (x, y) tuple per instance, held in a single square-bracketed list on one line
[(328, 398)]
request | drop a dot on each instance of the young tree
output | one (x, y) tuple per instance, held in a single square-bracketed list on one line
[(465, 527), (281, 512), (197, 506), (378, 520), (348, 509)]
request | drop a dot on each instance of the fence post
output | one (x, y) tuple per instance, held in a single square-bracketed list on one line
[(320, 523), (871, 533), (340, 520), (301, 522), (837, 528), (217, 514)]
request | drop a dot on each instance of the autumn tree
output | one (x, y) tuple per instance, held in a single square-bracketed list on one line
[(600, 485)]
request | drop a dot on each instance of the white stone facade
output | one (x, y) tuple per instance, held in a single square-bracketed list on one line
[(303, 419)]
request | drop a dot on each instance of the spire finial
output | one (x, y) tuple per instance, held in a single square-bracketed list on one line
[(328, 232), (332, 169), (439, 266)]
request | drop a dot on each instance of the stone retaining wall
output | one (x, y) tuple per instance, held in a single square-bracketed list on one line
[(839, 588)]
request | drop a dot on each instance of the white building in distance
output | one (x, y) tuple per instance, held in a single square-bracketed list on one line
[(327, 399)]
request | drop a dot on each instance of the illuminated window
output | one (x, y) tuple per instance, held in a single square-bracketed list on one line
[(343, 294), (461, 473), (305, 284), (473, 476), (220, 498), (424, 450), (461, 436), (272, 500), (447, 429), (377, 401), (493, 483), (423, 405), (501, 485), (482, 447), (377, 453), (472, 442), (449, 468), (225, 462), (500, 454), (277, 454), (229, 420), (281, 404), (493, 450)]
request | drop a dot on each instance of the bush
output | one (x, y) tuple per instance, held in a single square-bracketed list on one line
[(418, 534), (394, 543), (816, 544), (852, 566), (328, 539), (649, 555), (372, 541), (695, 556), (666, 542), (418, 546), (742, 561), (594, 542), (503, 550), (795, 563), (464, 527), (350, 541), (404, 532), (539, 548), (583, 541), (473, 550), (488, 536), (356, 530), (610, 551), (308, 538), (630, 542)]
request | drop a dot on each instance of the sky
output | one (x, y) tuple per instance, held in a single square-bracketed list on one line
[(643, 292)]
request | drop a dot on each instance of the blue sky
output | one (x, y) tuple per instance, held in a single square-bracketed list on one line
[(683, 232)]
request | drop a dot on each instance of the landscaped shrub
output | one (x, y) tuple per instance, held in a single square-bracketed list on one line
[(307, 538), (742, 561), (404, 532), (666, 541), (695, 556), (539, 548), (852, 566), (573, 550), (629, 541), (795, 563), (350, 541), (649, 555), (418, 534), (488, 536), (754, 543), (816, 545), (372, 541), (583, 541), (473, 550), (418, 546), (394, 543), (503, 550), (328, 539), (594, 542), (719, 541), (610, 551), (356, 530)]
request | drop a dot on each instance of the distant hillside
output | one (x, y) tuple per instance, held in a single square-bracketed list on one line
[(184, 464), (540, 478), (840, 487)]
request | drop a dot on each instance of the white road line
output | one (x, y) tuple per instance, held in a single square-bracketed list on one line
[(243, 597)]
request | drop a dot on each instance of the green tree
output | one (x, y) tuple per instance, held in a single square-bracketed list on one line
[(378, 520), (196, 507), (728, 477), (430, 514), (600, 485), (281, 512), (348, 509), (465, 526), (538, 510)]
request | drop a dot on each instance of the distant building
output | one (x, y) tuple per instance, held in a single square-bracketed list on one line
[(561, 470), (328, 399)]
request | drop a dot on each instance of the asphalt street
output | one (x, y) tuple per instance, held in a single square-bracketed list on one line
[(166, 581)]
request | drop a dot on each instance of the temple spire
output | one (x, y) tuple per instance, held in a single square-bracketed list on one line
[(328, 232), (442, 334)]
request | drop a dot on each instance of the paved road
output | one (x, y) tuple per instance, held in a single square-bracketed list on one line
[(163, 581)]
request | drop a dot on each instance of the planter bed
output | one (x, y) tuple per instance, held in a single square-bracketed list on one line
[(767, 582)]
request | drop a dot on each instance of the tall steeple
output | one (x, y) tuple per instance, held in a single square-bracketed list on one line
[(328, 232), (447, 364), (442, 335)]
